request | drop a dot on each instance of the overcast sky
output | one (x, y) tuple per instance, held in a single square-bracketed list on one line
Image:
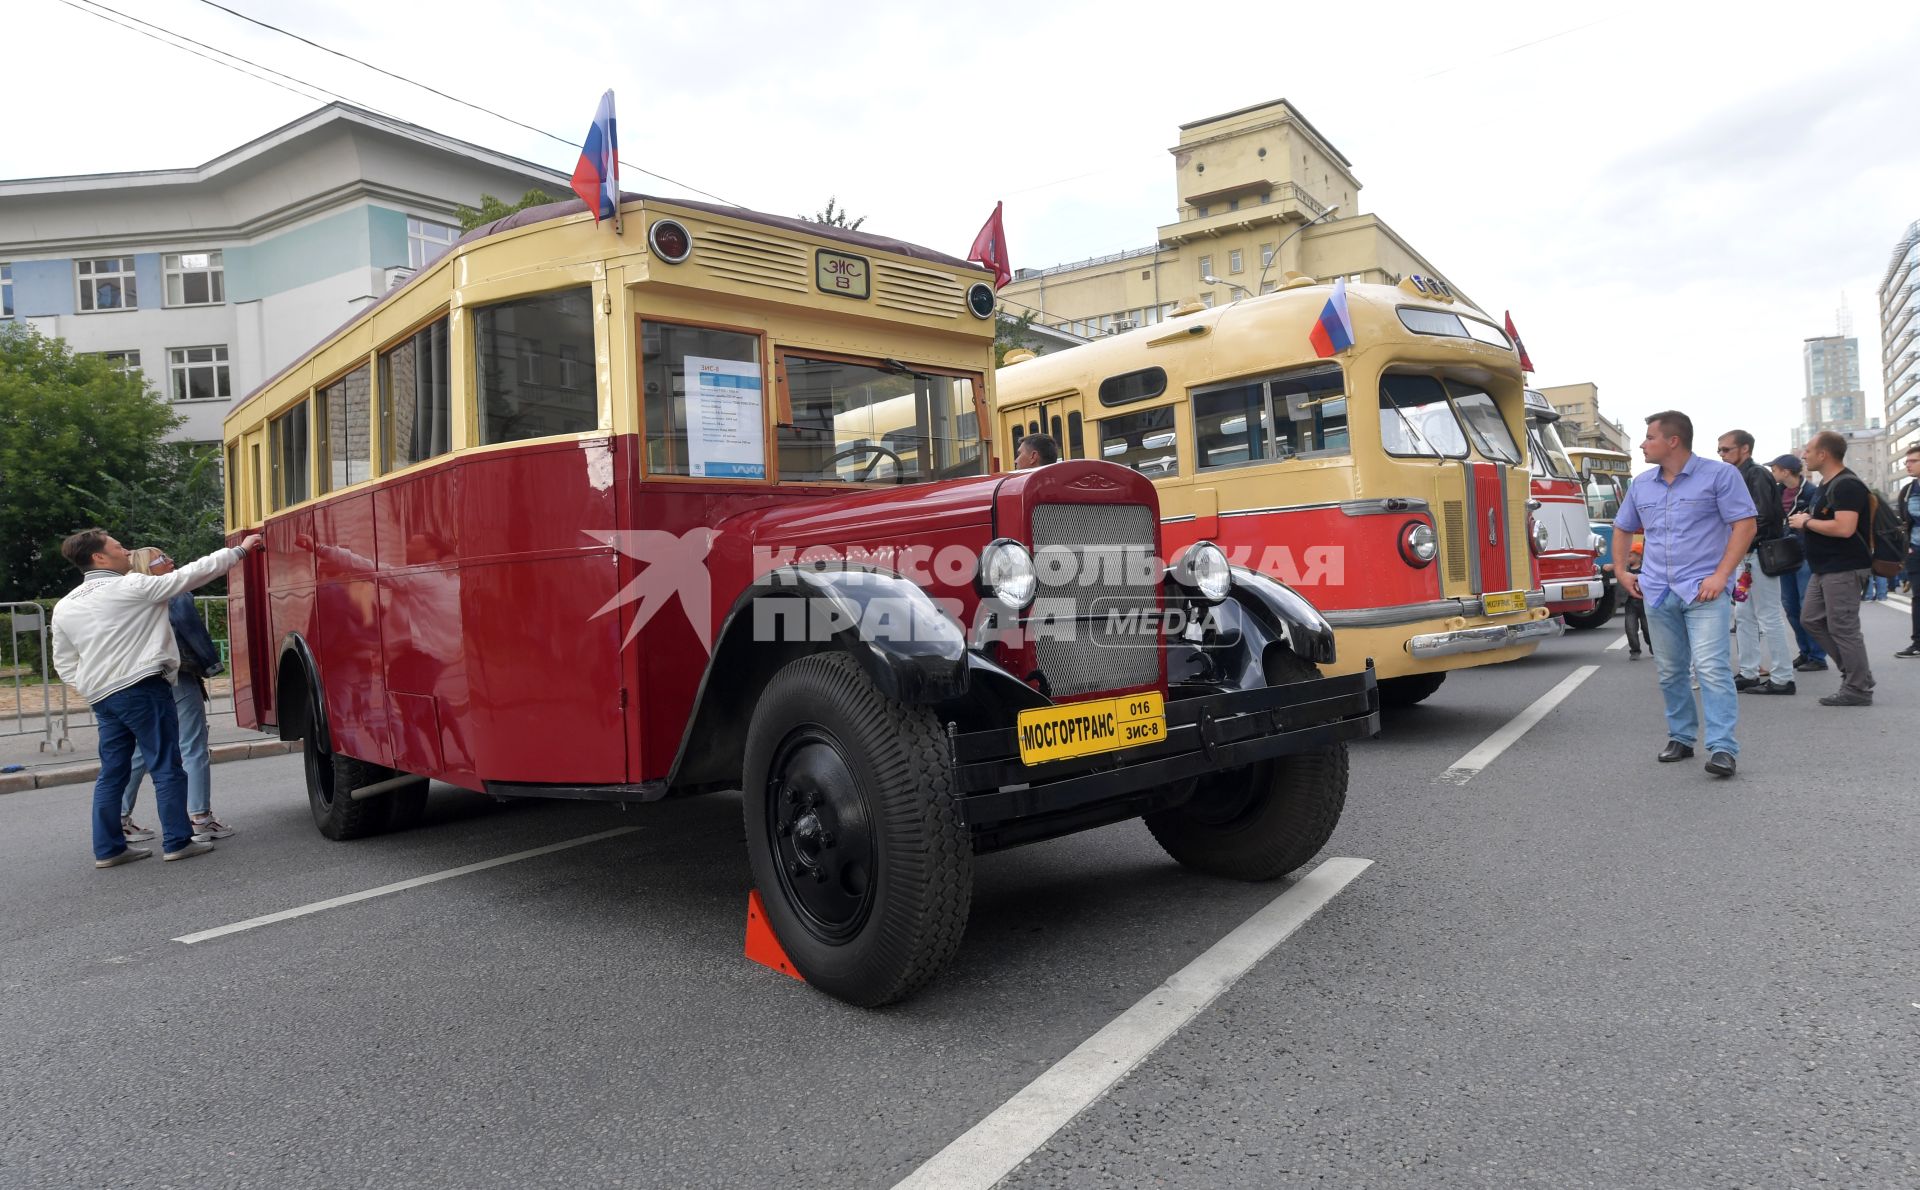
[(1669, 203)]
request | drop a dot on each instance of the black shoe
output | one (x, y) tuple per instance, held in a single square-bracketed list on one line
[(1675, 750), (1744, 684), (1772, 687), (1720, 764), (1807, 665), (1847, 700), (1909, 651)]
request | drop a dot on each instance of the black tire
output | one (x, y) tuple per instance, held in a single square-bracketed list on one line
[(1261, 822), (1414, 688), (864, 868), (1601, 614), (330, 778)]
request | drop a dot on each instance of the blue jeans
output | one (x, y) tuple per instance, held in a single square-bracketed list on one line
[(190, 704), (1876, 587), (1697, 633), (1793, 590), (141, 716)]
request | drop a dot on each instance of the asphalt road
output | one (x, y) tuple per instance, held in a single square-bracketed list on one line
[(1579, 968)]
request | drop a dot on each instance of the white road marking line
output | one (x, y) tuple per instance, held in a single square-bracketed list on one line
[(996, 1146), (1899, 603), (1619, 644), (399, 886), (1467, 767)]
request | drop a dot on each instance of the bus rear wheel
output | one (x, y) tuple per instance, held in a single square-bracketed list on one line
[(1414, 688), (1597, 618), (865, 870), (331, 779)]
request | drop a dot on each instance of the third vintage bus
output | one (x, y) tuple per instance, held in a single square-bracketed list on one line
[(1388, 483), (1569, 572)]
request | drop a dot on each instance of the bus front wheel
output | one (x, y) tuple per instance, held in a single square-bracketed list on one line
[(1405, 692), (864, 869), (1598, 617)]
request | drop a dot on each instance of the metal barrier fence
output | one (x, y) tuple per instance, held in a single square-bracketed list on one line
[(33, 699)]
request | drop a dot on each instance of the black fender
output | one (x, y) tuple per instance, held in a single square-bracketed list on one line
[(915, 653), (1258, 613), (300, 704)]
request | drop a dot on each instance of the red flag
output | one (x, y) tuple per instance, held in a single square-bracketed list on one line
[(1520, 349), (990, 249)]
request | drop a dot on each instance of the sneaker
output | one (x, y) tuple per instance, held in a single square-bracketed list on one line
[(188, 852), (1847, 700), (134, 832), (1909, 651), (1807, 665), (206, 828), (125, 857)]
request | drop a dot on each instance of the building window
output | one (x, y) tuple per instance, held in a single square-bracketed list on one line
[(195, 279), (1266, 256), (1206, 267), (1269, 286), (1200, 212), (1234, 261), (107, 284), (6, 291), (519, 345), (1206, 299), (198, 374), (416, 408), (427, 239), (122, 361), (1233, 204)]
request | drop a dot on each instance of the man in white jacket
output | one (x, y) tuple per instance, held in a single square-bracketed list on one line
[(112, 643)]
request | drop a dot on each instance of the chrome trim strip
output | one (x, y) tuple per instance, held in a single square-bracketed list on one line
[(1473, 529), (1482, 640), (1387, 506), (1413, 613)]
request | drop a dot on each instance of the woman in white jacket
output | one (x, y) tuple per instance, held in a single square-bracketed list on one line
[(113, 643)]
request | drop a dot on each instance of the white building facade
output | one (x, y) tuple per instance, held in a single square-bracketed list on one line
[(209, 280), (1900, 342)]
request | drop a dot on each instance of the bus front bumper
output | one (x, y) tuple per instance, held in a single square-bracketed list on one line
[(1586, 590), (1005, 801), (1482, 640)]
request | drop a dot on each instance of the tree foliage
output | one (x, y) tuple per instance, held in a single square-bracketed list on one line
[(177, 506), (64, 419), (492, 208), (835, 216), (1010, 334)]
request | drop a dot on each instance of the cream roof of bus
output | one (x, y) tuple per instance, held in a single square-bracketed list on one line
[(1280, 324), (549, 238)]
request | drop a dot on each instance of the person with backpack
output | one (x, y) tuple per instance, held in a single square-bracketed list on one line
[(1840, 552), (1907, 504), (1797, 493), (1760, 625)]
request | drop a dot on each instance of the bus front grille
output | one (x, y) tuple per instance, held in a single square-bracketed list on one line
[(1455, 517), (1098, 576)]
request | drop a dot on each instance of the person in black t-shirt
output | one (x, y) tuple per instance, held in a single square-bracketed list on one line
[(1837, 552)]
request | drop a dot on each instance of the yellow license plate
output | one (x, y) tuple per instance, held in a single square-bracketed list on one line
[(1086, 728), (1579, 591), (1505, 603)]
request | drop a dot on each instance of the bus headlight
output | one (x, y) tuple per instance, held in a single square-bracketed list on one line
[(1007, 573), (1596, 543), (1537, 530), (1204, 568), (1418, 546)]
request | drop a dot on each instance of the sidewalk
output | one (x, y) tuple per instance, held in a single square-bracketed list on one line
[(225, 741)]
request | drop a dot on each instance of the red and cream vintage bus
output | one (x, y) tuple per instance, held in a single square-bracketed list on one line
[(1389, 483), (1568, 567), (709, 507)]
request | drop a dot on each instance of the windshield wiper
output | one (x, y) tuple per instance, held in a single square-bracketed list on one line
[(1408, 422)]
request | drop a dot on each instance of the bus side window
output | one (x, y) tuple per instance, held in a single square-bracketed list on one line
[(529, 379), (1312, 412), (1144, 441), (288, 446), (1076, 441), (1230, 426), (667, 351)]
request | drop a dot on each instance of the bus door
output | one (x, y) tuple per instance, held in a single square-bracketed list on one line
[(1059, 416), (255, 629)]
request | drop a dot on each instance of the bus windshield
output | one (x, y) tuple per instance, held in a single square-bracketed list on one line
[(1549, 457), (1603, 496), (1416, 418), (881, 422), (1484, 422)]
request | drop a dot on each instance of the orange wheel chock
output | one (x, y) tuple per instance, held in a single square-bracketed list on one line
[(762, 947)]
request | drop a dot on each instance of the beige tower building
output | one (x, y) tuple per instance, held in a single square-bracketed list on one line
[(1261, 194)]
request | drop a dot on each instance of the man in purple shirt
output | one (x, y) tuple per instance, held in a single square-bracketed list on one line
[(1698, 517)]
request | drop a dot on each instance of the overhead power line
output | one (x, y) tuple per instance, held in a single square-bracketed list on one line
[(570, 143), (307, 94)]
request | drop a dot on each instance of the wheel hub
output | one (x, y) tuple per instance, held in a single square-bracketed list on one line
[(822, 835)]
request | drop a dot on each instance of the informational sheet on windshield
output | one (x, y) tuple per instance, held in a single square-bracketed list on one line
[(726, 432)]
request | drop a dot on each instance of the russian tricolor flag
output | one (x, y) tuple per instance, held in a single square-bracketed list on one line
[(596, 179), (1334, 332)]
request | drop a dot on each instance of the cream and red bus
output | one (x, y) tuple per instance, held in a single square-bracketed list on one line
[(712, 506), (1389, 483), (1568, 566)]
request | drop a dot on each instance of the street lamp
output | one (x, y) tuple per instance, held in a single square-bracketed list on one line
[(1296, 231), (1210, 279)]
